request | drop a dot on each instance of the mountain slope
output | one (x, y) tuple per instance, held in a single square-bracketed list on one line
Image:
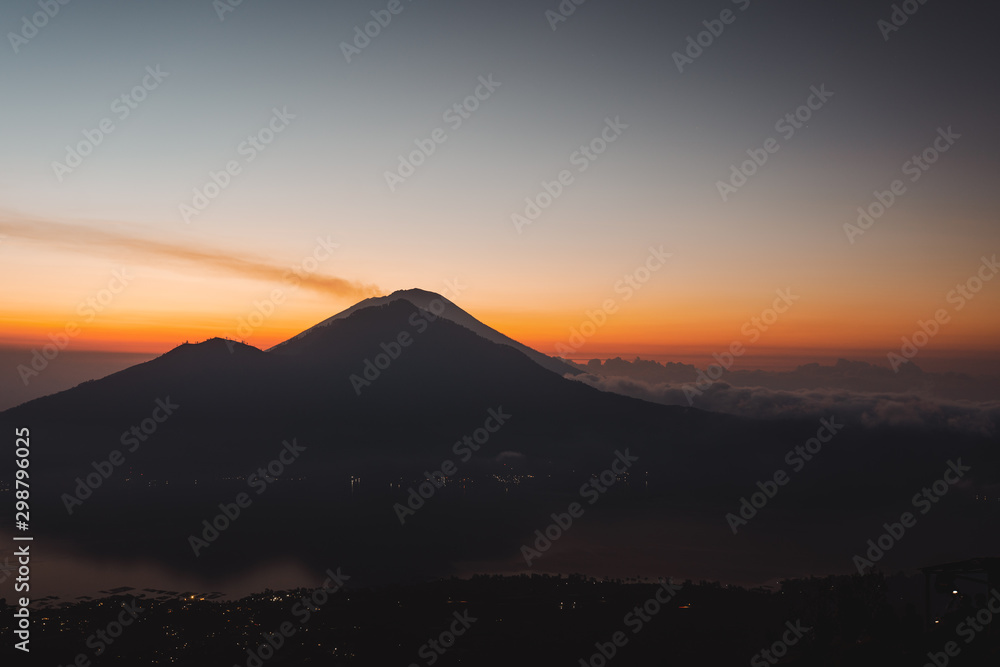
[(238, 401), (362, 408), (439, 305)]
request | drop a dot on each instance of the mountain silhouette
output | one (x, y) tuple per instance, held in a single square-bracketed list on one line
[(437, 304), (325, 385), (382, 393)]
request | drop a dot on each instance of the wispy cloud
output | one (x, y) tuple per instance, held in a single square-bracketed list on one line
[(134, 249)]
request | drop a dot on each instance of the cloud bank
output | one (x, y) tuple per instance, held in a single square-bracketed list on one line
[(865, 408)]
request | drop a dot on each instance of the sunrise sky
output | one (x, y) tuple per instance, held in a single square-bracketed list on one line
[(63, 233)]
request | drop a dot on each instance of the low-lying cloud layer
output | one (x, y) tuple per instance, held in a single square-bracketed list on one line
[(865, 408)]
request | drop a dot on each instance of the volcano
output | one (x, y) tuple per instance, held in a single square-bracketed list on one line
[(383, 383), (375, 401)]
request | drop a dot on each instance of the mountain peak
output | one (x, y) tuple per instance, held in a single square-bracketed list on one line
[(211, 348), (439, 306), (418, 297), (414, 291)]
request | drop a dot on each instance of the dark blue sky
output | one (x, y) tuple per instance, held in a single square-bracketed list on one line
[(662, 181)]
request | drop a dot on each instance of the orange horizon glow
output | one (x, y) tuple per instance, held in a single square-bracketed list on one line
[(635, 333), (120, 292), (155, 294)]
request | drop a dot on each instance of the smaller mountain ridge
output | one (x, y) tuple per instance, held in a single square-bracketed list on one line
[(213, 346)]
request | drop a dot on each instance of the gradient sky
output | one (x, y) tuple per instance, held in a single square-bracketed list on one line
[(323, 176)]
